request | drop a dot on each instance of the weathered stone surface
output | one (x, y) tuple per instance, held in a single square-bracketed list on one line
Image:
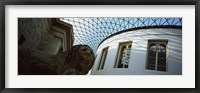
[(38, 33), (76, 61), (33, 29)]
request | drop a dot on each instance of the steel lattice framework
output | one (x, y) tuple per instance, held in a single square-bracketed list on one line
[(92, 31)]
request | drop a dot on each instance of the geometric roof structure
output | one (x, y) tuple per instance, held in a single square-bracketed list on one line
[(91, 31)]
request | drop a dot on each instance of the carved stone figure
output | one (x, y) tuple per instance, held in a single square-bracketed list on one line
[(76, 61)]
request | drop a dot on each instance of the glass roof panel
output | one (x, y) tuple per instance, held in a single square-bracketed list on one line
[(92, 31)]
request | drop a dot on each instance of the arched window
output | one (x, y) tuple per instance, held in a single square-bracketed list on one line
[(156, 55), (161, 58), (103, 58), (123, 56), (152, 57)]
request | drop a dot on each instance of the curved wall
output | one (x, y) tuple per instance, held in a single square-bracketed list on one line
[(138, 56)]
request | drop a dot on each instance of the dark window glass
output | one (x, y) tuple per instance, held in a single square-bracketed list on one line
[(156, 56)]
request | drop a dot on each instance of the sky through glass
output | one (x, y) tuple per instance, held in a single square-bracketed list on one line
[(92, 31)]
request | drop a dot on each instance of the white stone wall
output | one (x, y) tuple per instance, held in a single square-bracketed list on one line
[(138, 55)]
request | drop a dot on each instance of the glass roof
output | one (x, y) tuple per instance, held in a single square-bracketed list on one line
[(92, 31)]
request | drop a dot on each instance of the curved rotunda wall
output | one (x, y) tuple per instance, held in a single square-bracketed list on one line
[(138, 56)]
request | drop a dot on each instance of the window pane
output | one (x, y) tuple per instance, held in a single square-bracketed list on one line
[(157, 55), (103, 59), (162, 58), (124, 55), (161, 64), (162, 48), (151, 60), (151, 57), (128, 56)]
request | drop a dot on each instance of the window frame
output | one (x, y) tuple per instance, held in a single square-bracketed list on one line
[(119, 53), (103, 58), (157, 42)]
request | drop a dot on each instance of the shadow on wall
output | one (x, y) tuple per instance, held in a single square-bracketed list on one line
[(136, 66)]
